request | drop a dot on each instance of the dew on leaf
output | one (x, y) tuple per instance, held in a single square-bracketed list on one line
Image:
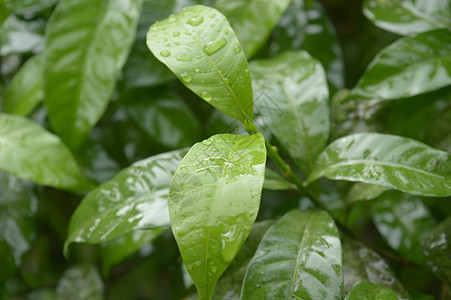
[(237, 49), (206, 96), (165, 53), (214, 46), (195, 21), (183, 57), (176, 33), (196, 69), (186, 77)]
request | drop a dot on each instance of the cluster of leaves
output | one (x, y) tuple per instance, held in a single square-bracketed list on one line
[(352, 202)]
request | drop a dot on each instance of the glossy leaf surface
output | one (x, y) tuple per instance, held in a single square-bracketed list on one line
[(306, 25), (408, 67), (30, 152), (213, 202), (31, 6), (204, 53), (81, 280), (364, 191), (298, 258), (386, 160), (361, 264), (403, 221), (437, 247), (295, 85), (252, 20), (409, 16), (83, 57), (370, 291), (134, 199), (26, 89)]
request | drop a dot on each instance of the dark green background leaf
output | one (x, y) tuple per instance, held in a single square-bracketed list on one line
[(370, 291)]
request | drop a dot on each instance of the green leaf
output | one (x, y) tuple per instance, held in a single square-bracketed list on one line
[(252, 20), (437, 247), (30, 152), (26, 89), (32, 6), (364, 191), (370, 291), (362, 264), (18, 36), (275, 182), (18, 208), (403, 221), (204, 53), (213, 202), (295, 84), (386, 160), (115, 251), (408, 16), (438, 133), (307, 26), (83, 57), (134, 199), (80, 282), (5, 10), (299, 257), (408, 67), (166, 118)]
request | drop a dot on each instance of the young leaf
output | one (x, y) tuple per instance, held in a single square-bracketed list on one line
[(403, 221), (408, 67), (437, 247), (408, 16), (30, 152), (252, 20), (26, 89), (213, 202), (296, 85), (370, 291), (204, 53), (299, 257), (134, 199), (87, 43), (362, 264), (386, 160)]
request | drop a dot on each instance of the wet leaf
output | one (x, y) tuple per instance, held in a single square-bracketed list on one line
[(408, 67), (437, 249), (204, 53), (18, 208), (299, 257), (403, 221), (26, 89), (296, 103), (213, 202), (32, 6), (80, 282), (18, 36), (30, 152), (370, 291), (362, 264), (273, 181), (252, 20), (135, 199), (364, 191), (386, 160), (83, 57), (408, 16)]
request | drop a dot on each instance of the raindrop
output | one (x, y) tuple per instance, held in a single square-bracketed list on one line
[(226, 80), (226, 31), (196, 69), (186, 77), (246, 71), (213, 46), (183, 57), (206, 96), (176, 33), (206, 142), (216, 100), (172, 18), (237, 49), (195, 21), (165, 53), (212, 16)]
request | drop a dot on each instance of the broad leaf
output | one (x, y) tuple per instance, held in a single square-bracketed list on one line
[(213, 202), (32, 6), (252, 20), (403, 221), (295, 84), (83, 57), (362, 264), (204, 53), (298, 258), (364, 191), (438, 133), (81, 280), (386, 160), (5, 10), (437, 247), (18, 208), (306, 25), (26, 89), (30, 152), (273, 181), (408, 67), (134, 199), (408, 16), (370, 291), (166, 118)]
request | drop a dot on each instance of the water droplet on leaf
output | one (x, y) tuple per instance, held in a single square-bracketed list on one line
[(196, 69), (176, 33), (195, 21), (165, 53), (214, 46), (206, 142), (237, 49), (186, 77), (206, 96), (183, 57)]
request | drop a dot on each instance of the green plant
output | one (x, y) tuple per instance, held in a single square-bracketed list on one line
[(377, 154)]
